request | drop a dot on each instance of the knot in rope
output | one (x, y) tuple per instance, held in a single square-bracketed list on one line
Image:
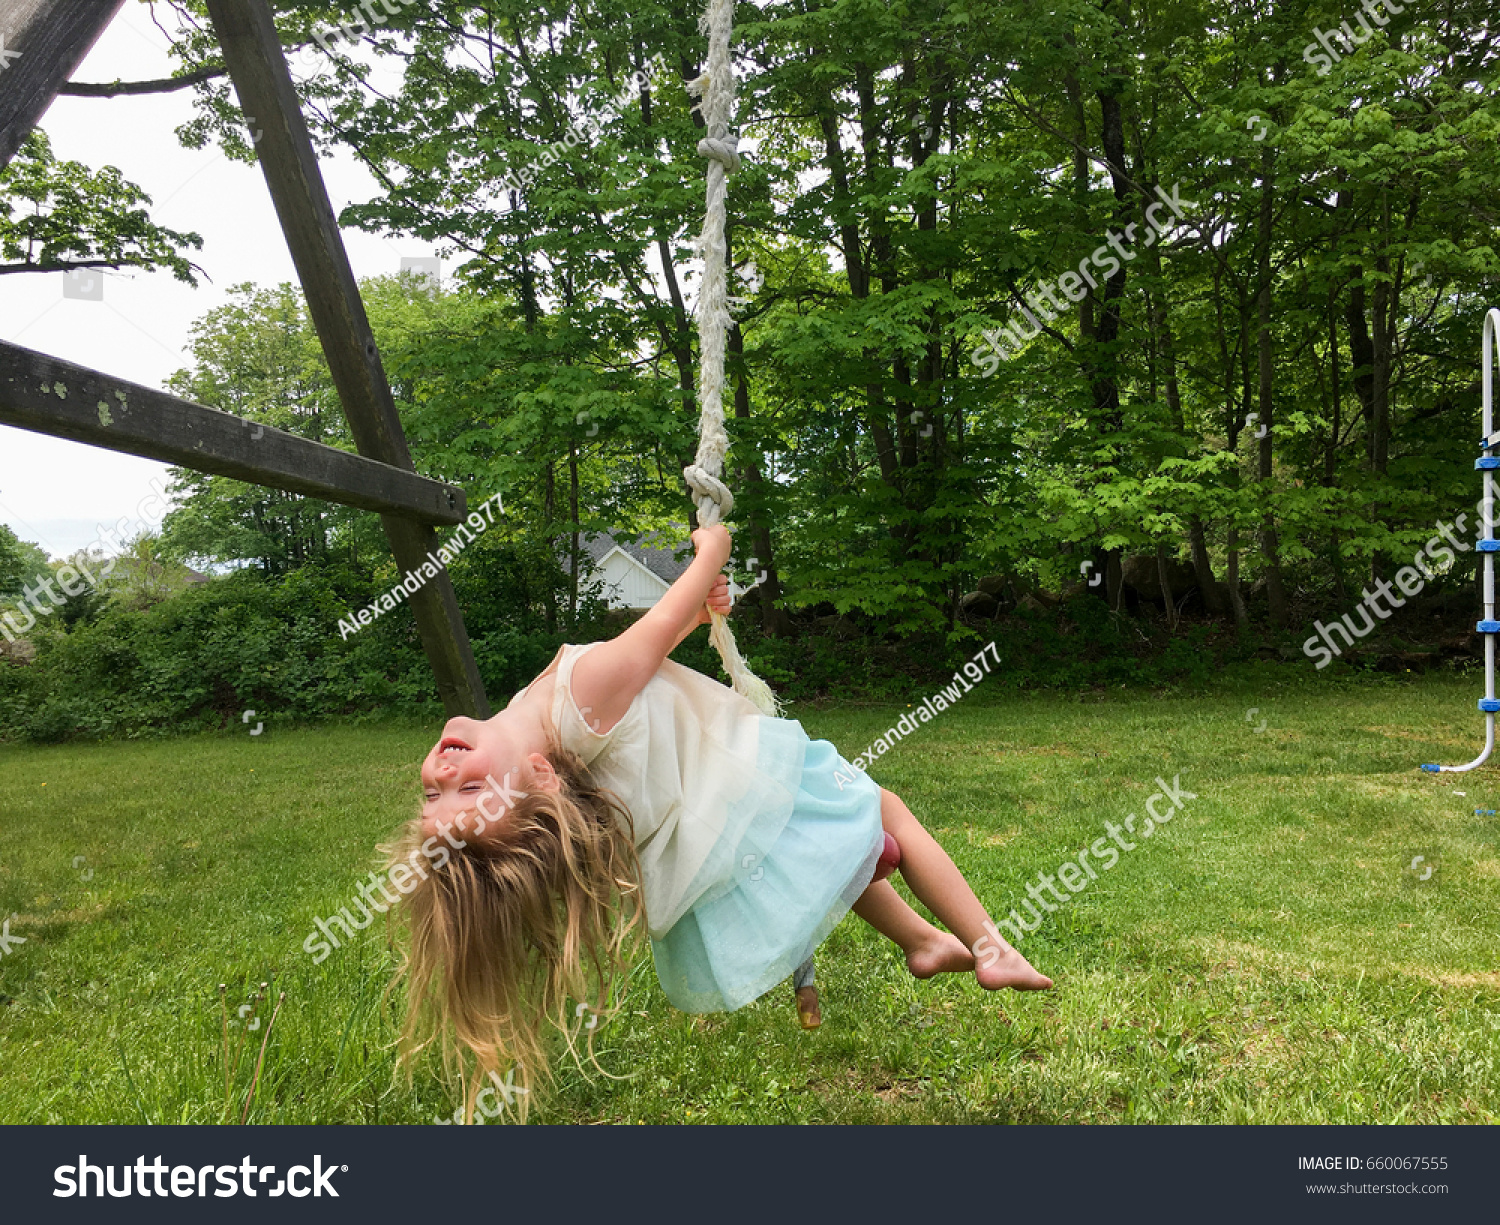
[(712, 495), (725, 151)]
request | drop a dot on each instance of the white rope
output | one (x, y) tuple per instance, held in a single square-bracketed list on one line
[(715, 91)]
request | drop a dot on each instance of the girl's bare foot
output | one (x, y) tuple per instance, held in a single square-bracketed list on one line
[(943, 953), (1010, 969), (809, 1015)]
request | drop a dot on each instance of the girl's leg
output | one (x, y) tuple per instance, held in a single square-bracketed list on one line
[(936, 880), (928, 950)]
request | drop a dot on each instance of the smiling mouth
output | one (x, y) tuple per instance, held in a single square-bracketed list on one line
[(452, 742)]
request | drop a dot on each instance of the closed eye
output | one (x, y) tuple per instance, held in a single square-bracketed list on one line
[(472, 787), (433, 795)]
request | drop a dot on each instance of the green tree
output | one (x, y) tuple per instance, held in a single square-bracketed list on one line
[(144, 574), (1275, 389), (258, 357), (566, 443), (21, 562), (55, 216)]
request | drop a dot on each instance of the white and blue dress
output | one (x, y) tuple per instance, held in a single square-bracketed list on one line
[(754, 841)]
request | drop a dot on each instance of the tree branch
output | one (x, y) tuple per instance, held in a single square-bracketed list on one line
[(115, 89), (116, 264), (55, 267)]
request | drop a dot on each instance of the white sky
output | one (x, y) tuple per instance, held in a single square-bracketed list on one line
[(56, 492)]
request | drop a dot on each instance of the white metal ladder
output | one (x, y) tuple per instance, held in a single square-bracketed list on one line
[(1487, 463)]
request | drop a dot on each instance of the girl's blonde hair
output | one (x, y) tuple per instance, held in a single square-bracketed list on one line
[(502, 933)]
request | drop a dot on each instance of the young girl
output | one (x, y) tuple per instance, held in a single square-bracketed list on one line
[(620, 787)]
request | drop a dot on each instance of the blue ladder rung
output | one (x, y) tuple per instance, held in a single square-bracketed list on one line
[(1487, 461), (1489, 705), (1433, 769), (1488, 546), (1488, 627)]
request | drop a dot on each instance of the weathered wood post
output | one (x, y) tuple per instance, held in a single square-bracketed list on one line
[(257, 67)]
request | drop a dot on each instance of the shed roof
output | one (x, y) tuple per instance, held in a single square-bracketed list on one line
[(654, 550)]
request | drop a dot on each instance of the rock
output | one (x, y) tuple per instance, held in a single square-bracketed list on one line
[(1138, 570), (1141, 573), (979, 604), (1031, 604), (1001, 588)]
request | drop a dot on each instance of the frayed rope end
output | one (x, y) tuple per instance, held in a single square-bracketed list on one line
[(745, 682)]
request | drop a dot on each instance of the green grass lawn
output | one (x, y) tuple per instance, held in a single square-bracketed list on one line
[(1268, 957)]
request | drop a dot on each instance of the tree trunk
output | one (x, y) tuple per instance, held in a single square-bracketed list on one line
[(1269, 544), (1381, 309), (1234, 418), (773, 617), (1166, 346), (1232, 581), (573, 542), (1330, 455), (1215, 598), (1164, 579), (1099, 359), (859, 284), (549, 496)]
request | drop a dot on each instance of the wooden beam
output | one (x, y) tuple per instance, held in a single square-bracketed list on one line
[(263, 84), (45, 41), (49, 396)]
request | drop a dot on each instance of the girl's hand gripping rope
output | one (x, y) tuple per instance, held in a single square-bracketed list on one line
[(714, 544)]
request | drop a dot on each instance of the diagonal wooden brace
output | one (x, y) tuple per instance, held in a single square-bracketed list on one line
[(263, 83)]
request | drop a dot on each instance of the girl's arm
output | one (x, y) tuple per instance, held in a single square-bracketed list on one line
[(607, 679)]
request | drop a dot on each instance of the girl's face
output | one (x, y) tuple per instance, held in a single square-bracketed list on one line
[(474, 774)]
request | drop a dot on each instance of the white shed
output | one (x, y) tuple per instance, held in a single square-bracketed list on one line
[(628, 583)]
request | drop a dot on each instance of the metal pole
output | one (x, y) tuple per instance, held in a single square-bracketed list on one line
[(1488, 545)]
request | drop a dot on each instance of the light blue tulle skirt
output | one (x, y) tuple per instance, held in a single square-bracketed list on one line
[(795, 867)]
